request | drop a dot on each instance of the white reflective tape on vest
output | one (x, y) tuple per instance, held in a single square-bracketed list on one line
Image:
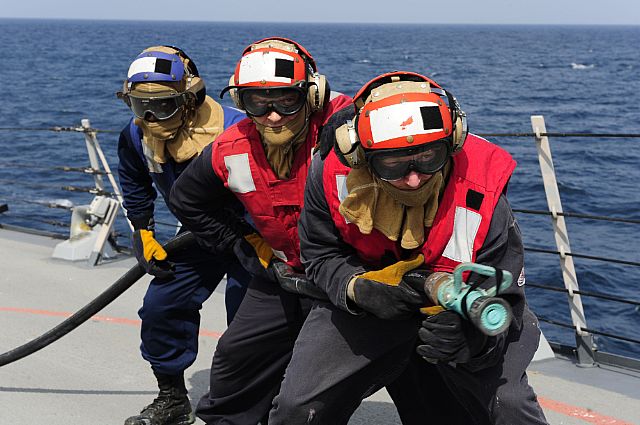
[(465, 227), (341, 184), (240, 179), (399, 120), (521, 279), (140, 65), (259, 66), (343, 192)]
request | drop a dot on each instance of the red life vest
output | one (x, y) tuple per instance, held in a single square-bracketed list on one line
[(239, 160), (480, 173)]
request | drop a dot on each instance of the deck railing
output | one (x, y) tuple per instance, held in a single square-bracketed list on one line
[(585, 350)]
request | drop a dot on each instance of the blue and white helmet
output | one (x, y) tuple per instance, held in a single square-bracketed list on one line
[(166, 65)]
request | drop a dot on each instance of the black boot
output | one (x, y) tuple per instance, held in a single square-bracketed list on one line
[(171, 407)]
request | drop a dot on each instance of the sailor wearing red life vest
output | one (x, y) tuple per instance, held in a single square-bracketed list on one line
[(263, 161), (406, 187)]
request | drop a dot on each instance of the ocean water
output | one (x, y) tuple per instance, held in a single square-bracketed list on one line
[(581, 78)]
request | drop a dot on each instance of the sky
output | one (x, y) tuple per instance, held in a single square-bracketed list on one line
[(574, 12)]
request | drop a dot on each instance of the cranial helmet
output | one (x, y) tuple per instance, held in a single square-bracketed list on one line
[(164, 75), (400, 112), (278, 63)]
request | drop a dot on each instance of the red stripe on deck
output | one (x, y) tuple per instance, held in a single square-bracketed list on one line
[(107, 319), (577, 412), (586, 415)]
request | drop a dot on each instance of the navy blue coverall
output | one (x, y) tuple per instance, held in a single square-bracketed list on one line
[(171, 309)]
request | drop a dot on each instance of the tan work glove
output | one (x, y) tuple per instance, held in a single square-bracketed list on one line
[(383, 293)]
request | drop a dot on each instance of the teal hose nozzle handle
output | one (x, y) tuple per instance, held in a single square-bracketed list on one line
[(492, 315)]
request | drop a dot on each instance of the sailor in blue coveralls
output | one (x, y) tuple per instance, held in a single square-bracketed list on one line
[(174, 120)]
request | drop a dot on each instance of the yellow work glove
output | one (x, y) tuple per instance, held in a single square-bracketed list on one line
[(261, 247), (384, 293), (151, 255), (255, 254)]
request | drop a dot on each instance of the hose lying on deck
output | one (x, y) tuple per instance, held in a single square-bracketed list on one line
[(127, 280), (182, 241)]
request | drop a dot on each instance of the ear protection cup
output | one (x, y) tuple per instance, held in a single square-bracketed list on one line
[(196, 85), (318, 91), (348, 147), (460, 132), (459, 120), (233, 93)]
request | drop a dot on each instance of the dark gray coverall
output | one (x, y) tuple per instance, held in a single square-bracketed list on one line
[(341, 356)]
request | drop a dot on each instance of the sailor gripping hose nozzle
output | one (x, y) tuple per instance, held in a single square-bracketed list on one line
[(490, 314), (447, 291)]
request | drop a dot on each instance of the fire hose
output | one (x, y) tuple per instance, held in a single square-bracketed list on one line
[(127, 280), (490, 314), (292, 282)]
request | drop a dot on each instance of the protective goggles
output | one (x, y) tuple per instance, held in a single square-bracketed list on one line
[(161, 107), (285, 101), (394, 164)]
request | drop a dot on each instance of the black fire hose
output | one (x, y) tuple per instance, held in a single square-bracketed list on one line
[(127, 280), (295, 283)]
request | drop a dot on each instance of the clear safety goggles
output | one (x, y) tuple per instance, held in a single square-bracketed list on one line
[(285, 101), (161, 107), (394, 164)]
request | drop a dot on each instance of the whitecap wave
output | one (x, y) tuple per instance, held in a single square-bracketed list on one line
[(57, 203), (581, 66)]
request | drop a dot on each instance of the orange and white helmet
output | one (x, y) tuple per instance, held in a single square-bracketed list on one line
[(404, 109), (278, 63), (402, 113)]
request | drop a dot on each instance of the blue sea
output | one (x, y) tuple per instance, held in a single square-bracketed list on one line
[(581, 78)]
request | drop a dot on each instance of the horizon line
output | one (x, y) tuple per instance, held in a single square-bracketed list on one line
[(26, 18)]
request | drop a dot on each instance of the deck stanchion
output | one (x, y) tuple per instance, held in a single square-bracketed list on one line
[(584, 340), (90, 140), (93, 146), (109, 214)]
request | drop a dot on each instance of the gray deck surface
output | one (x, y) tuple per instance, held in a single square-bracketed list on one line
[(95, 375)]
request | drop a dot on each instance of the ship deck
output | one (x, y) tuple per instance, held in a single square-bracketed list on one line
[(95, 374)]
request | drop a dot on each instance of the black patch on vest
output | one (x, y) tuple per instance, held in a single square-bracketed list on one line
[(474, 199), (431, 118), (163, 66), (284, 68)]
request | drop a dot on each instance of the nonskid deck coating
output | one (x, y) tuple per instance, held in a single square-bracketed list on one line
[(95, 375)]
